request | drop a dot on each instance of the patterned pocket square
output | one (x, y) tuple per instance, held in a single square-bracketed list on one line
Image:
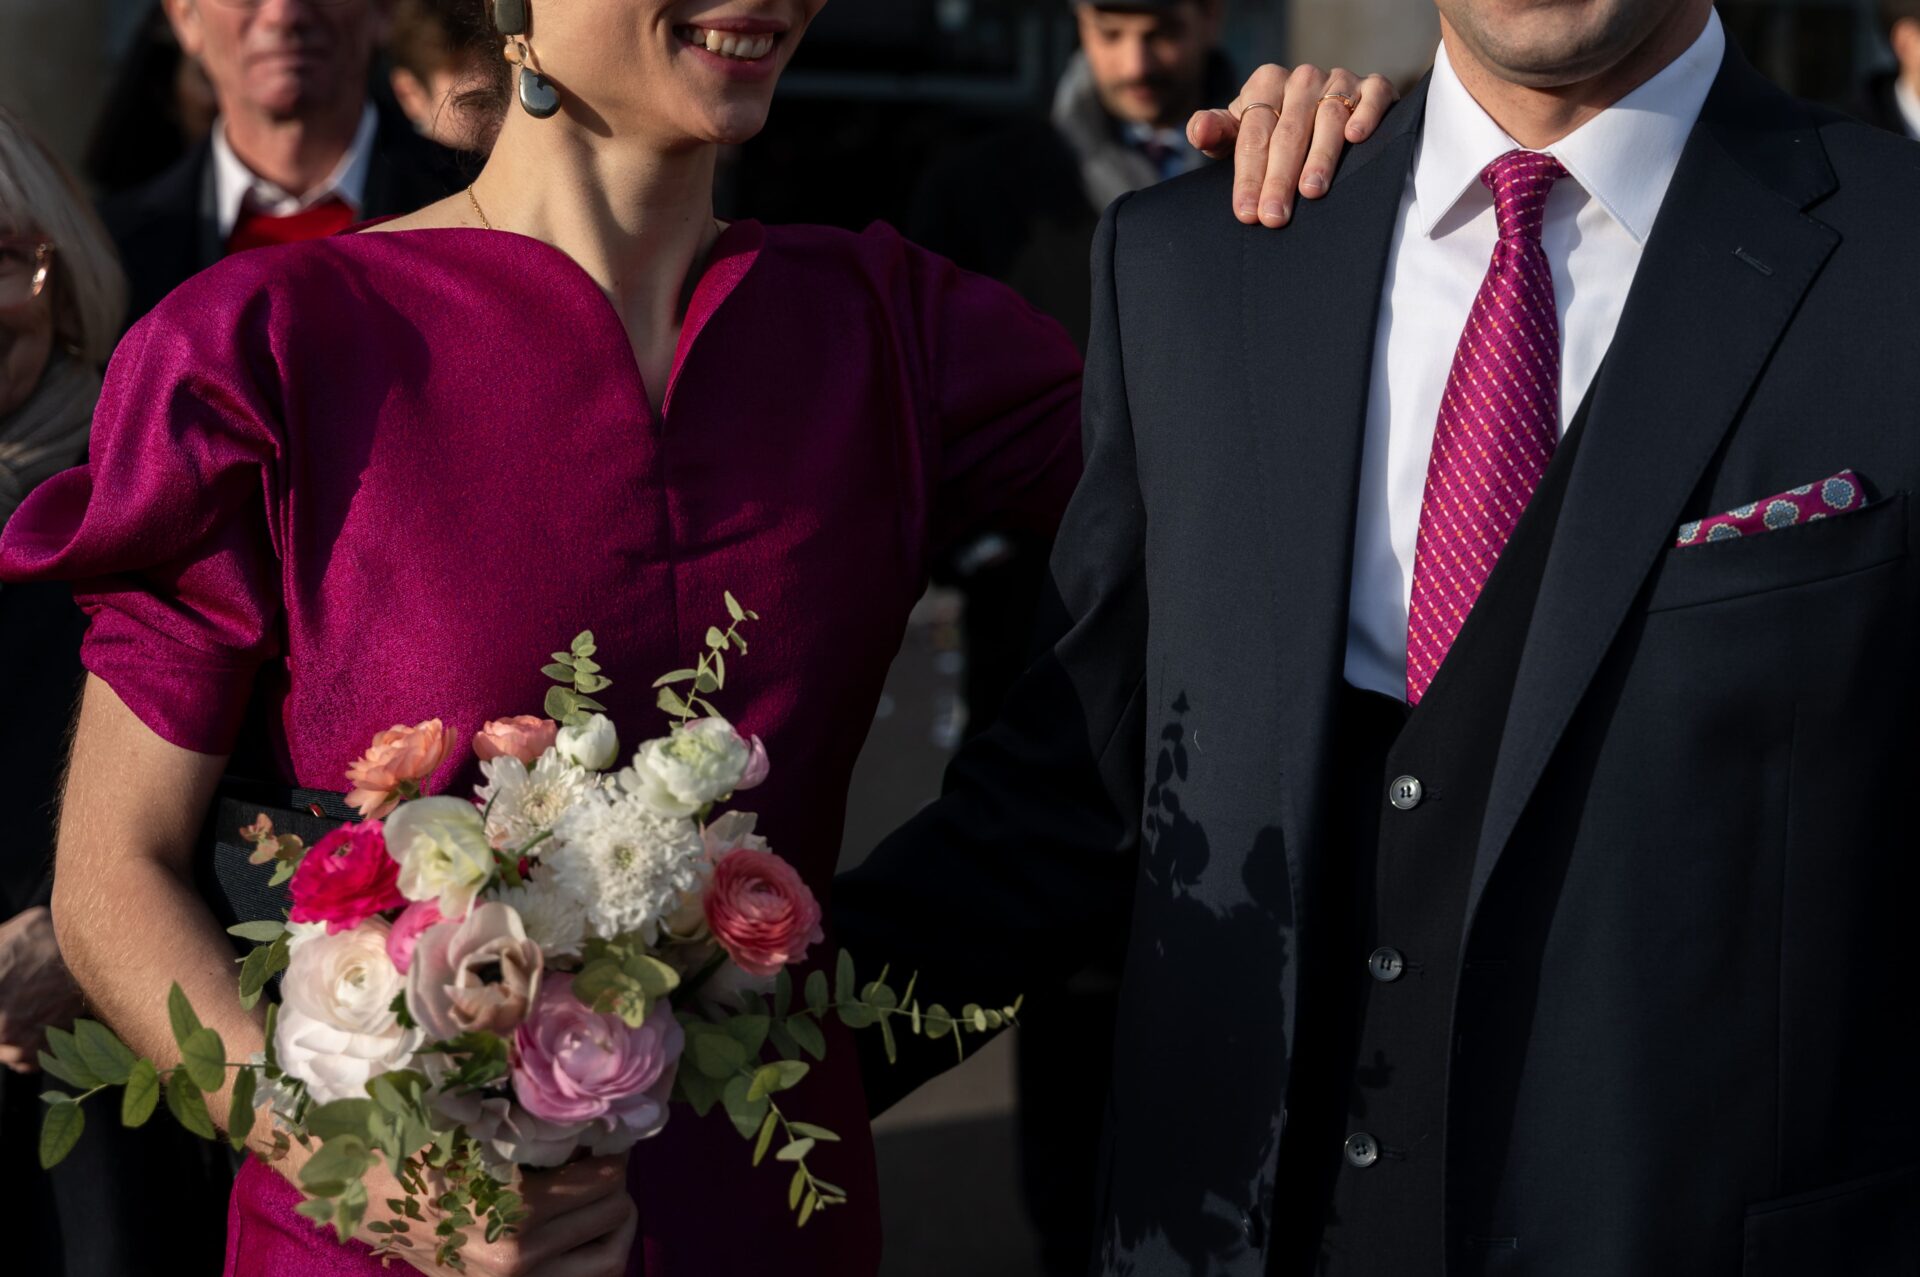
[(1841, 494)]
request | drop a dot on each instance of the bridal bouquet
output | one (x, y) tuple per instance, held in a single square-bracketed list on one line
[(523, 977)]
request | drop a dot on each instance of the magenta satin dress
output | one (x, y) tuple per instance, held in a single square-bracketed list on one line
[(375, 479)]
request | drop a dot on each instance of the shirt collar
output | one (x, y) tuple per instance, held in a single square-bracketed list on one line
[(235, 185), (1623, 157), (1909, 103)]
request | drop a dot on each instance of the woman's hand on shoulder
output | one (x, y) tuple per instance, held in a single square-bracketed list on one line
[(1286, 132)]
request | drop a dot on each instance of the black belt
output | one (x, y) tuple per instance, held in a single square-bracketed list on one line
[(235, 889)]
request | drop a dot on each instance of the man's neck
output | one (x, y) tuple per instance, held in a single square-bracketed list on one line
[(296, 155), (1537, 117)]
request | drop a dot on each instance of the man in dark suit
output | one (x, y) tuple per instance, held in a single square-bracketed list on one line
[(1492, 698), (298, 151), (1891, 99)]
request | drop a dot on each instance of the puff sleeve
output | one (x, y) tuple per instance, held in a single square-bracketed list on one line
[(167, 533)]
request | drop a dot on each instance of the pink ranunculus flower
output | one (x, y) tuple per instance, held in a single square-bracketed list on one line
[(478, 974), (394, 765), (760, 911), (572, 1064), (347, 878), (523, 736), (408, 927)]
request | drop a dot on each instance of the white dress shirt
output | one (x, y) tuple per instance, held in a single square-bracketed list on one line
[(1909, 103), (1619, 166), (237, 187)]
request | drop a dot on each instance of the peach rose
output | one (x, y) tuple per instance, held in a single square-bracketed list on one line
[(391, 770), (523, 736)]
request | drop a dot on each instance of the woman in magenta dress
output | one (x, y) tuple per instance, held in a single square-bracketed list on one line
[(374, 479)]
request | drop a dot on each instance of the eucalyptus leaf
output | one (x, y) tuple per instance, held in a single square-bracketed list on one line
[(63, 1061), (188, 1106), (766, 1138), (678, 676), (750, 1031), (263, 932), (808, 1034), (797, 1187), (716, 1054), (817, 992), (106, 1057), (558, 673), (734, 609), (843, 981), (746, 1114), (59, 1132), (137, 1102), (716, 638), (240, 1113), (794, 1152), (820, 1133), (670, 701), (807, 1207), (180, 1015), (205, 1059)]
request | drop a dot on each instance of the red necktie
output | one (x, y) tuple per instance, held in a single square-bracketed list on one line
[(258, 230), (1499, 420)]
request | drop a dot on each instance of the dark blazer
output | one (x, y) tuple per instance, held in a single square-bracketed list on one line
[(166, 232), (1686, 1030)]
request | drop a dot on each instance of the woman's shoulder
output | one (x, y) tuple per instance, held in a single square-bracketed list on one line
[(312, 279)]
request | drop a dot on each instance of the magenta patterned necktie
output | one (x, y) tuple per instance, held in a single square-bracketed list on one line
[(1499, 420)]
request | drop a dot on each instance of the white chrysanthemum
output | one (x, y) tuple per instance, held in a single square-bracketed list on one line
[(554, 918), (627, 865), (522, 804)]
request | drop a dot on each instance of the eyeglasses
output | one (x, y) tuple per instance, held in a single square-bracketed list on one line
[(24, 264)]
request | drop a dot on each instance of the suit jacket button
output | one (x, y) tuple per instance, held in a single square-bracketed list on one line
[(1362, 1149), (1406, 792), (1386, 964)]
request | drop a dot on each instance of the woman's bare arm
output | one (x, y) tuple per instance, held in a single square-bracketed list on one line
[(124, 905)]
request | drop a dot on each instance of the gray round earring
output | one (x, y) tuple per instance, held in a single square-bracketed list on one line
[(537, 95)]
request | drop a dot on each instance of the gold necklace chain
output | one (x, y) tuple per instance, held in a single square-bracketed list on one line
[(477, 210)]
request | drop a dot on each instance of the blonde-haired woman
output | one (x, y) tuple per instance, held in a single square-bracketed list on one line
[(61, 298)]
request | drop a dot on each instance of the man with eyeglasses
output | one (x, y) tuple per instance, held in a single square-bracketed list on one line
[(299, 149)]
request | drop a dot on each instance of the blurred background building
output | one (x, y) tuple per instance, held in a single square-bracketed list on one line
[(879, 92)]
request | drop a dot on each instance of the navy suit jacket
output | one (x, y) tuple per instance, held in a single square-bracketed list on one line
[(1686, 1029)]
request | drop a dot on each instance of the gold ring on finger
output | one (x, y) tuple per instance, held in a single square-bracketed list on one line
[(1252, 106), (1352, 104)]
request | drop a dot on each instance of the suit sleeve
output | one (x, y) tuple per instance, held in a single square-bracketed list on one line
[(1024, 867)]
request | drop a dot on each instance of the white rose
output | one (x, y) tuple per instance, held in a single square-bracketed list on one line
[(593, 745), (441, 845), (699, 764), (336, 1028)]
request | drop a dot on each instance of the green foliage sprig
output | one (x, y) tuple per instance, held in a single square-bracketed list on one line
[(92, 1059), (579, 677), (729, 1068), (710, 674)]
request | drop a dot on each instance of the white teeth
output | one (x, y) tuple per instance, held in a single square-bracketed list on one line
[(748, 48)]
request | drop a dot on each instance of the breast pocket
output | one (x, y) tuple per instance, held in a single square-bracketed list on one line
[(1714, 571)]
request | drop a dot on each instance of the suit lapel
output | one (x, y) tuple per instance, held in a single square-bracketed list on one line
[(1306, 411), (1724, 269)]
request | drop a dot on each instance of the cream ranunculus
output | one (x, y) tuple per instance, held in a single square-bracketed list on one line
[(701, 763), (336, 1027), (593, 745), (441, 845)]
